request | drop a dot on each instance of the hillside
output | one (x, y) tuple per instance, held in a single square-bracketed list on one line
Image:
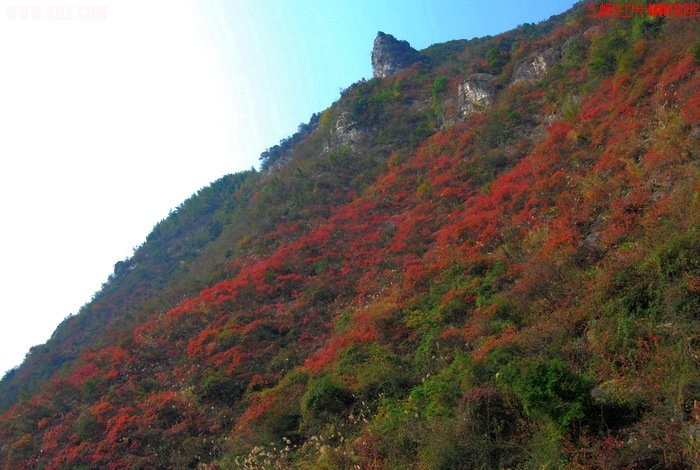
[(487, 256)]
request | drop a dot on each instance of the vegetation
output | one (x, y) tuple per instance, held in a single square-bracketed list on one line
[(402, 288)]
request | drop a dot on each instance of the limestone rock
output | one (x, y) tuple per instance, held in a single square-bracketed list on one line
[(535, 66), (390, 55), (475, 93), (346, 133)]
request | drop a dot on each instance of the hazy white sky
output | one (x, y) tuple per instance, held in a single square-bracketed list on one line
[(114, 112)]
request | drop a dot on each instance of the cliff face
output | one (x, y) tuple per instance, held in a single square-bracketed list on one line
[(390, 55), (475, 93)]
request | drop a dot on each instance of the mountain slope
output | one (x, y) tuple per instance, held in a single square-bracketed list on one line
[(487, 259)]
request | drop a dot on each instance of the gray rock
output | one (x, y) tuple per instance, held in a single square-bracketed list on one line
[(535, 66), (390, 55), (475, 93)]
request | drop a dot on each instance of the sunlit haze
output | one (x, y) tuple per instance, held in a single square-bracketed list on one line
[(108, 123)]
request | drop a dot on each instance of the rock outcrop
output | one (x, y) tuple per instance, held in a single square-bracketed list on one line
[(346, 133), (390, 55), (535, 66), (475, 93)]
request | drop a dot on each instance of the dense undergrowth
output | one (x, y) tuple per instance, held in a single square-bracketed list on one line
[(407, 289)]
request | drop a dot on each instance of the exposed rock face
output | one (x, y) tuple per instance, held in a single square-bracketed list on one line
[(475, 93), (390, 55), (535, 66), (346, 134)]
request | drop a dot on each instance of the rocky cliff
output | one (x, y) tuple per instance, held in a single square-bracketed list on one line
[(390, 55)]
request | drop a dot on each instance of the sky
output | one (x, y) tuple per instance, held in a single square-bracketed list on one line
[(112, 113)]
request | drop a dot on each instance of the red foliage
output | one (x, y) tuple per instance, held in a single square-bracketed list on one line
[(88, 371), (689, 101), (678, 71), (122, 425), (492, 342), (363, 330), (216, 295), (196, 346), (452, 206)]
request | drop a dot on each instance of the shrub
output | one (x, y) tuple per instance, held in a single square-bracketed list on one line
[(383, 378), (607, 52), (87, 427), (221, 388), (646, 27), (439, 86), (552, 389), (695, 52), (325, 401), (496, 60)]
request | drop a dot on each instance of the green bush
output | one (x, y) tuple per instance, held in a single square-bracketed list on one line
[(496, 60), (646, 27), (326, 401), (576, 52), (87, 427), (439, 86), (221, 388), (607, 52), (552, 389), (439, 449), (395, 435), (383, 379), (439, 395), (695, 52)]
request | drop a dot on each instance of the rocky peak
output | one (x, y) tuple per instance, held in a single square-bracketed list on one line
[(390, 55)]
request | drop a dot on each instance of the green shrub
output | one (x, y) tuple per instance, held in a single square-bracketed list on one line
[(87, 427), (382, 379), (695, 52), (394, 437), (552, 389), (646, 27), (576, 52), (439, 86), (439, 394), (439, 449), (607, 52), (325, 401), (545, 447), (496, 60), (221, 388)]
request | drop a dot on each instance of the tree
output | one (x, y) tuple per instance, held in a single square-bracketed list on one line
[(496, 60)]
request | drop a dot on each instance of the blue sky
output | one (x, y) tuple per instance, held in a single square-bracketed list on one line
[(108, 124), (297, 55)]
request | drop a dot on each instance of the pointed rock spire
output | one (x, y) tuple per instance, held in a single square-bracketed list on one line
[(390, 55)]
